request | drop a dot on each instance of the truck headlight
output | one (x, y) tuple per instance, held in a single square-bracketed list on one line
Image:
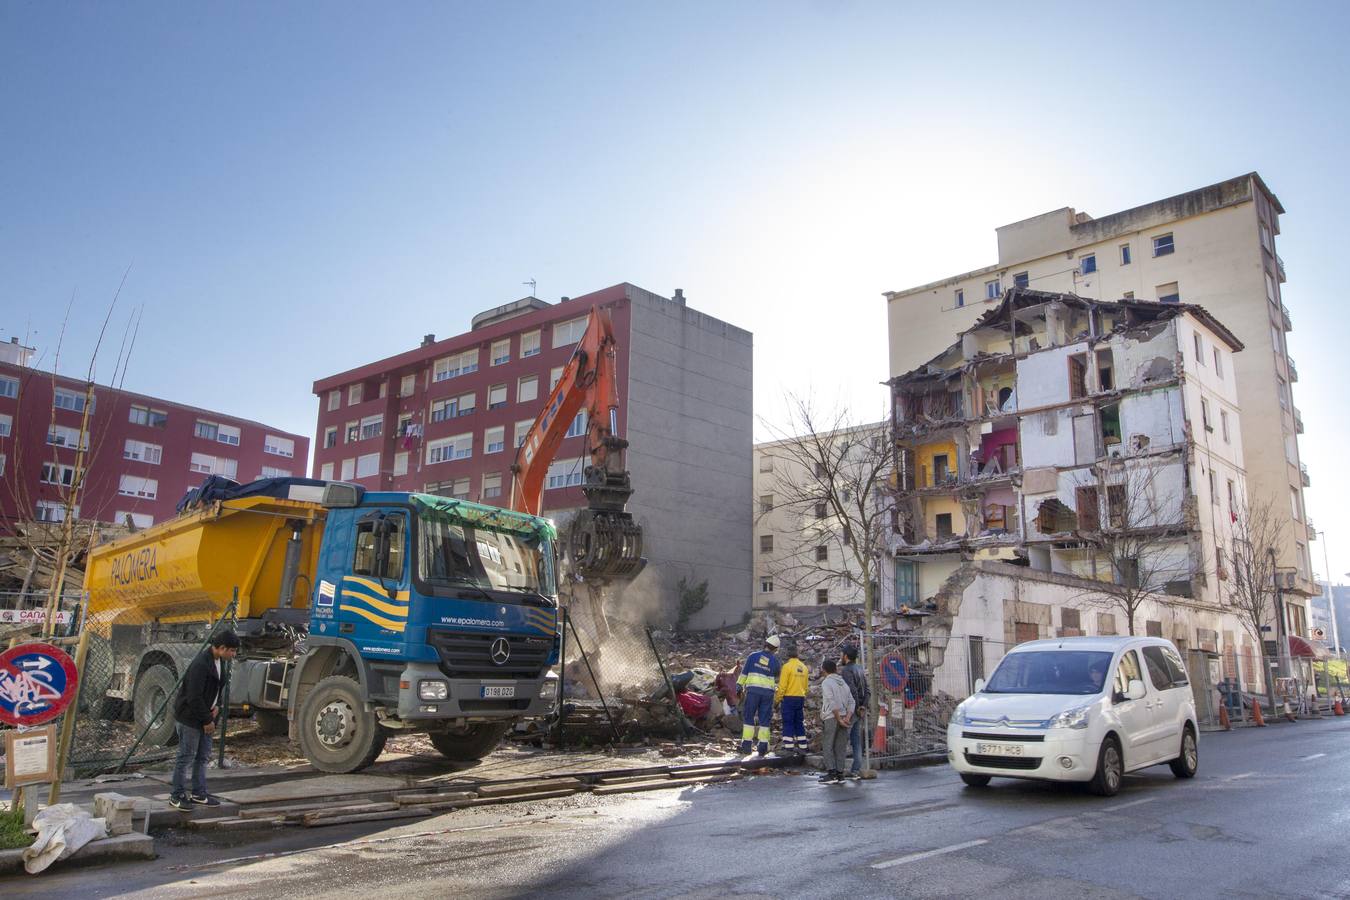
[(1072, 718), (549, 689), (432, 690)]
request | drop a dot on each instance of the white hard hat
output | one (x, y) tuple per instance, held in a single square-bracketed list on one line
[(772, 640)]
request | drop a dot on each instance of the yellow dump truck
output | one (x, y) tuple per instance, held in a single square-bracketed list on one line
[(360, 613)]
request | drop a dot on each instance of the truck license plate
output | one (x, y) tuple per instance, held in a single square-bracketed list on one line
[(510, 691), (998, 749)]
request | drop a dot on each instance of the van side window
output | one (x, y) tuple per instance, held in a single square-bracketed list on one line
[(1160, 670), (1127, 671), (1175, 667)]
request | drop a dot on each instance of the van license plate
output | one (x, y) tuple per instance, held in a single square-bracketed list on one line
[(999, 749), (510, 691)]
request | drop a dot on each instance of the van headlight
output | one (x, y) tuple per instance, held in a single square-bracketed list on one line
[(1072, 718), (958, 716)]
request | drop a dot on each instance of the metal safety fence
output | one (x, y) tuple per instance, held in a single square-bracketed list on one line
[(1232, 683)]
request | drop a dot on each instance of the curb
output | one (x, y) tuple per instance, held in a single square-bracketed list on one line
[(124, 846)]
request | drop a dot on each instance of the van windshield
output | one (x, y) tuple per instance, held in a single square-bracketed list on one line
[(1051, 672)]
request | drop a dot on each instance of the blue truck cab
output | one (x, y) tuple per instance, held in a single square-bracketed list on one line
[(427, 614)]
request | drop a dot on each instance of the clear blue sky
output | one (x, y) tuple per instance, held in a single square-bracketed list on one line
[(299, 188)]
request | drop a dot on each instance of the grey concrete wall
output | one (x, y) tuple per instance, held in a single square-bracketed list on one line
[(690, 420)]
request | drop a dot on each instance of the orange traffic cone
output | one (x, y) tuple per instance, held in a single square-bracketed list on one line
[(1223, 717), (1259, 719), (1337, 708), (879, 736)]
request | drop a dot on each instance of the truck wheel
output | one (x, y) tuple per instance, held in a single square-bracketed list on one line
[(337, 733), (154, 688), (271, 722), (470, 744)]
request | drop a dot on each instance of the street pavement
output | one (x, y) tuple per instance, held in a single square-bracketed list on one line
[(1267, 816)]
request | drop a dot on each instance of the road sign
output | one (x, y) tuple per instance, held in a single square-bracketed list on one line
[(37, 683), (894, 674)]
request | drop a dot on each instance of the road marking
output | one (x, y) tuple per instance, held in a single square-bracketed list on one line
[(1126, 805), (1312, 756), (915, 857), (1243, 775)]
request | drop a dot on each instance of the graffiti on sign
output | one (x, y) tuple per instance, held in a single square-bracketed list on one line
[(37, 682)]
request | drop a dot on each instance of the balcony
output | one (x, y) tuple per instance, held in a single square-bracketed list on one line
[(1285, 322), (1293, 369), (1312, 530), (1303, 471), (1298, 420), (1279, 268)]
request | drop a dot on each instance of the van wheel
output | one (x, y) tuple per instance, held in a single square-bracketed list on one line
[(1110, 769), (973, 780), (472, 743), (155, 689), (1185, 765), (337, 733)]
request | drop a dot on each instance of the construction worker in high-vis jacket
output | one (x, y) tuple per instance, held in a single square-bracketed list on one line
[(758, 682), (791, 700)]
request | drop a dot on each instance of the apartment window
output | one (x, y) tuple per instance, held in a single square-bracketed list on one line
[(1087, 503), (569, 332), (279, 446), (1204, 414), (1223, 425), (766, 463), (135, 519), (228, 434), (766, 503), (70, 400), (766, 584), (1220, 569), (501, 352), (443, 409), (820, 510), (348, 468), (1213, 488), (372, 427), (492, 485), (213, 465), (554, 376), (766, 543), (205, 430), (960, 299), (136, 486), (454, 366), (334, 400), (1070, 622), (1199, 347), (1117, 512), (367, 464), (326, 471), (401, 463), (1282, 388), (1232, 499), (1128, 295), (1294, 505), (1270, 288), (529, 344), (142, 452), (564, 473), (943, 526), (1275, 340), (6, 425), (822, 596), (407, 385), (1267, 243), (53, 511), (1087, 264), (1169, 293), (465, 404), (527, 389), (991, 290), (55, 473), (64, 436), (138, 415), (1124, 254), (458, 447), (578, 426), (522, 429), (1163, 245), (274, 472), (9, 387), (1218, 363), (494, 439), (2, 464), (330, 437), (822, 554), (1021, 280), (906, 583), (355, 393)]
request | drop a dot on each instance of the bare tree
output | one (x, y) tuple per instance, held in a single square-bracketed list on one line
[(1134, 522), (1258, 533), (831, 477)]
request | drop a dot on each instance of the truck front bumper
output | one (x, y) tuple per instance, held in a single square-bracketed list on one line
[(425, 693)]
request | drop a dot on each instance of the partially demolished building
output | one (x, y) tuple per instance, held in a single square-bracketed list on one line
[(1063, 447)]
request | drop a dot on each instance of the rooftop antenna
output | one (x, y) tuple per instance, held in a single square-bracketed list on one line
[(533, 287)]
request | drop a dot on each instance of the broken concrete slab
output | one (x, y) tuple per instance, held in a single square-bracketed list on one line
[(113, 849)]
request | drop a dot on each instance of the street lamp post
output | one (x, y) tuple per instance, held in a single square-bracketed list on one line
[(1331, 598)]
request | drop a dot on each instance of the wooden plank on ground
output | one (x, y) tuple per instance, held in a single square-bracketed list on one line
[(530, 787), (516, 798), (233, 823), (400, 812), (421, 799), (658, 785), (266, 812), (633, 779)]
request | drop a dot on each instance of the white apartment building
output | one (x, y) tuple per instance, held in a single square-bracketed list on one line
[(1213, 247)]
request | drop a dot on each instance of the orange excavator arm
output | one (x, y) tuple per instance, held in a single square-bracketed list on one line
[(605, 543)]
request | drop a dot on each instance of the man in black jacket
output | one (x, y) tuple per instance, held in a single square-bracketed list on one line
[(195, 709), (862, 695)]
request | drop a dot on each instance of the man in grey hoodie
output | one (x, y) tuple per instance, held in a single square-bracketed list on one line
[(836, 713)]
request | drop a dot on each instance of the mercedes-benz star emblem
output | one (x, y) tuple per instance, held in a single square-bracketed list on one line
[(500, 651)]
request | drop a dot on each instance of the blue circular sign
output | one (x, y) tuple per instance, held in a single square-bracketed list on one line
[(894, 675), (37, 682)]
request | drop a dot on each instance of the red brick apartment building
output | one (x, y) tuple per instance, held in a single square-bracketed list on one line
[(142, 453), (447, 416)]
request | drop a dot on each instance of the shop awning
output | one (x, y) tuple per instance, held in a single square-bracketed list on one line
[(1302, 647)]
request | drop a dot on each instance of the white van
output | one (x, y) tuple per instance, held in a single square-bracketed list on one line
[(1078, 709)]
